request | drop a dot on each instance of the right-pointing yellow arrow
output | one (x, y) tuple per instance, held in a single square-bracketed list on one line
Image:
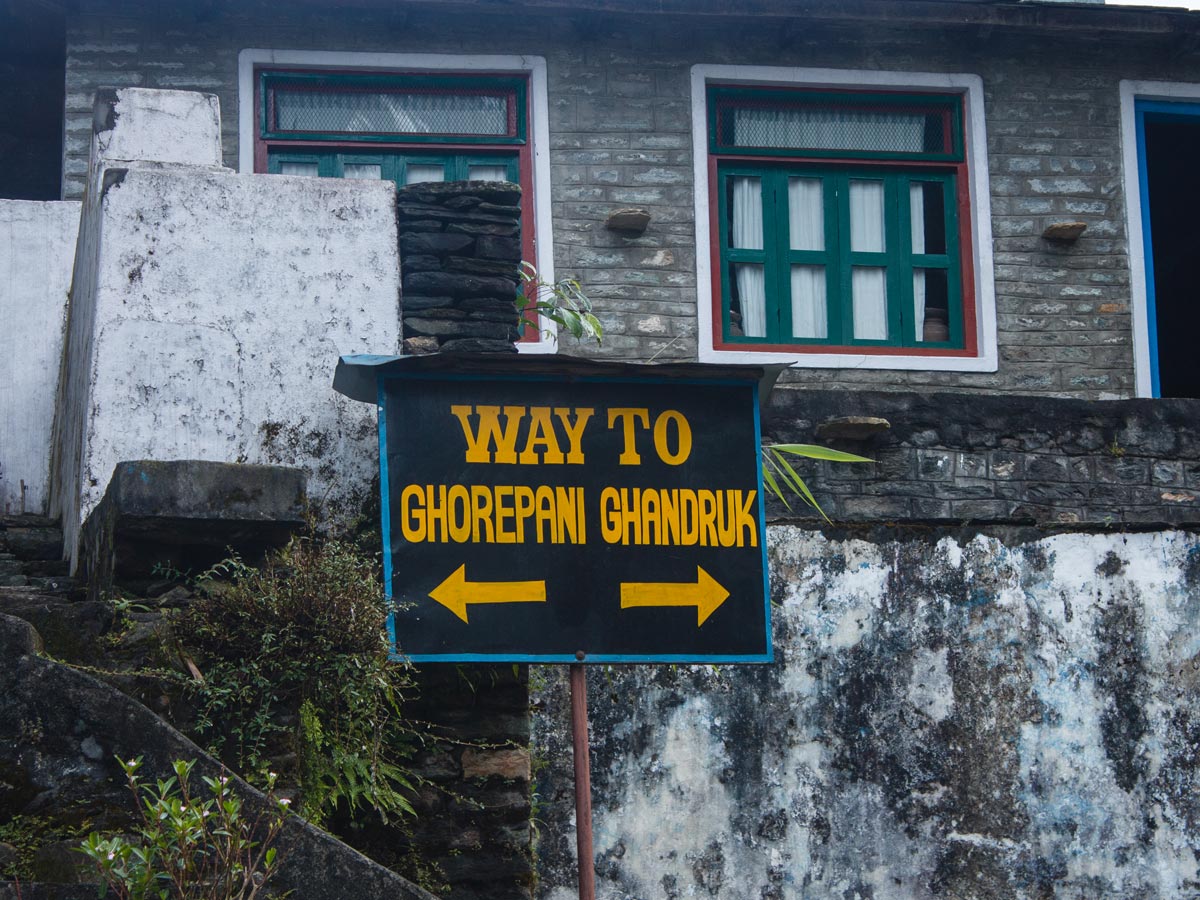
[(456, 592), (706, 594)]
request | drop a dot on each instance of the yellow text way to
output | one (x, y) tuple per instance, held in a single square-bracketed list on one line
[(548, 429)]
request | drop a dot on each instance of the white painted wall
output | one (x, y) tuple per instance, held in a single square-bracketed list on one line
[(37, 246), (209, 313), (984, 717)]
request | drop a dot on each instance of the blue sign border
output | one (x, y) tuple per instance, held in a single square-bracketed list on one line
[(699, 659)]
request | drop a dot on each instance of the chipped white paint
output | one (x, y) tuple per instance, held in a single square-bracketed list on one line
[(983, 718), (37, 245), (140, 124), (931, 689), (208, 314)]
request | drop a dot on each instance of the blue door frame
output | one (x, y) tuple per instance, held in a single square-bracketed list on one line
[(1154, 111)]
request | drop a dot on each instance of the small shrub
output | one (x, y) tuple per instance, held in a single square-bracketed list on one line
[(186, 847), (294, 657)]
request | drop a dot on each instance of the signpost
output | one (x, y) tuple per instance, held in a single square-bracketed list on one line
[(545, 509)]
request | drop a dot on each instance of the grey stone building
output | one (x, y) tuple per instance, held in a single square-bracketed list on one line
[(967, 219)]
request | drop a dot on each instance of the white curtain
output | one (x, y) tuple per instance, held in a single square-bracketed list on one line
[(806, 214), (806, 230), (868, 283), (747, 234), (916, 205), (869, 286), (390, 113), (415, 174), (487, 173), (362, 171), (810, 317), (866, 217), (828, 129), (298, 168)]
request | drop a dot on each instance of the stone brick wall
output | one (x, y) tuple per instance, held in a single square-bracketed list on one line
[(620, 135), (473, 827), (1031, 460), (460, 248)]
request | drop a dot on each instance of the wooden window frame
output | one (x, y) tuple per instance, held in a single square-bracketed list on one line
[(971, 344)]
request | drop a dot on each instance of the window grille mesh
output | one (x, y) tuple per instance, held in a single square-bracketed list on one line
[(823, 127), (365, 112)]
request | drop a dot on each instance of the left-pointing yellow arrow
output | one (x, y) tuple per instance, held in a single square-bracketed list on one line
[(705, 593), (456, 592)]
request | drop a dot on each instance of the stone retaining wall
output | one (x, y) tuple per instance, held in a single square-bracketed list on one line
[(1035, 460)]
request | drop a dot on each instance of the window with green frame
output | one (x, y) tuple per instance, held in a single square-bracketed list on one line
[(838, 220), (406, 128)]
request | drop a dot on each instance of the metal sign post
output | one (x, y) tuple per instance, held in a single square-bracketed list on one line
[(583, 783), (559, 510)]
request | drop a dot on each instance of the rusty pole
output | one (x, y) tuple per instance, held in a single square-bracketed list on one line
[(583, 783)]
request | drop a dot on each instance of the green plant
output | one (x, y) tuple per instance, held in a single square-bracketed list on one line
[(563, 303), (187, 847), (28, 834), (779, 474), (296, 675)]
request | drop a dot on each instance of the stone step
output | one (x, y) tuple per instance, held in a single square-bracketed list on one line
[(32, 542), (45, 568), (26, 520), (69, 628)]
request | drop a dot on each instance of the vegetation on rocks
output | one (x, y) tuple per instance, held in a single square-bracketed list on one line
[(293, 675), (187, 846)]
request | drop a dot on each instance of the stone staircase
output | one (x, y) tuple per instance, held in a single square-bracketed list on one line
[(35, 586), (31, 554)]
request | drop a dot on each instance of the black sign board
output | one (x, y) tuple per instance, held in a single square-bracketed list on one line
[(533, 513)]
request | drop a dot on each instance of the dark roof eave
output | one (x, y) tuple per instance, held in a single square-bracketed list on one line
[(1044, 16)]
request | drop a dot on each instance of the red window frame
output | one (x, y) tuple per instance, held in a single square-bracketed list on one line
[(970, 313)]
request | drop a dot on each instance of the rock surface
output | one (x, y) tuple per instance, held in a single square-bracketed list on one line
[(60, 731)]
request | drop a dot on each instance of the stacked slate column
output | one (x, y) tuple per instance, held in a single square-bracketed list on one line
[(460, 249)]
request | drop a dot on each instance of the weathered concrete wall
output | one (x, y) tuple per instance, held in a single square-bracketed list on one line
[(212, 315), (37, 247), (951, 713), (620, 135), (134, 115)]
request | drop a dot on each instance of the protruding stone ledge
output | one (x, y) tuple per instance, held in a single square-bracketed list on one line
[(187, 513)]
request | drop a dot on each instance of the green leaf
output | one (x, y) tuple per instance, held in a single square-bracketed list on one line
[(773, 486), (814, 451), (798, 485)]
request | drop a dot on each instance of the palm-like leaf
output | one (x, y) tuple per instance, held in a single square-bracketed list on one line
[(781, 478)]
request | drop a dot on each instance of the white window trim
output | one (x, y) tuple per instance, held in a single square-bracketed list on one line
[(539, 129), (981, 207), (1131, 92)]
